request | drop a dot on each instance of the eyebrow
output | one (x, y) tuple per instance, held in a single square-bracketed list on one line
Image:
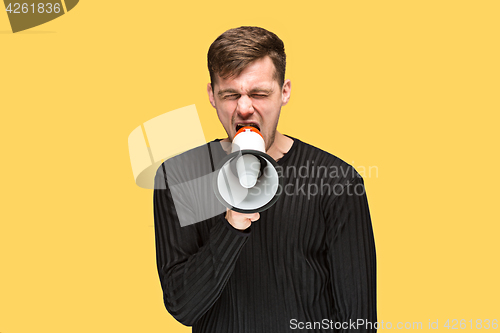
[(253, 91)]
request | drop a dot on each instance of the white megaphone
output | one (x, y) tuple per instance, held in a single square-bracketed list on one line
[(247, 180)]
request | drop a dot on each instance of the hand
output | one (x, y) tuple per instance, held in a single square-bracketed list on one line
[(241, 221)]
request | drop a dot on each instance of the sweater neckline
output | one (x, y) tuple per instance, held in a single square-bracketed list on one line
[(285, 157)]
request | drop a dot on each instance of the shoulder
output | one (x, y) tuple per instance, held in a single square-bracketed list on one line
[(328, 175), (188, 165), (322, 163)]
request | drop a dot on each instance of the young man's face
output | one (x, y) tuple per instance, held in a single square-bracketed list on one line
[(253, 97)]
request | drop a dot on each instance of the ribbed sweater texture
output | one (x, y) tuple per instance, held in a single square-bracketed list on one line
[(310, 258)]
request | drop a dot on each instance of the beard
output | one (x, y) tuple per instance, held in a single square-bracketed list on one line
[(271, 139)]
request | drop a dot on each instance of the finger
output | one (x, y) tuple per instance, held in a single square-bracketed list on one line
[(254, 217)]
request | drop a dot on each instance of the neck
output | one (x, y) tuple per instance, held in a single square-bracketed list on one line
[(279, 148)]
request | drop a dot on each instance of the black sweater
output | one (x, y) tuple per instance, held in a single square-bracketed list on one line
[(308, 262)]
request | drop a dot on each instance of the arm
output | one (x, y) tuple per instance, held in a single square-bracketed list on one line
[(193, 272), (351, 257)]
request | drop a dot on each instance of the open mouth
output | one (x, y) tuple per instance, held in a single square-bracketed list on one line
[(240, 126)]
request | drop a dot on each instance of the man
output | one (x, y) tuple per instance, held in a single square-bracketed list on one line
[(307, 262)]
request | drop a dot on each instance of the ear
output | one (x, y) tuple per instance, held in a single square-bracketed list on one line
[(210, 94), (285, 92)]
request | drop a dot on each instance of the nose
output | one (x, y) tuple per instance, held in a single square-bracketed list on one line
[(245, 107)]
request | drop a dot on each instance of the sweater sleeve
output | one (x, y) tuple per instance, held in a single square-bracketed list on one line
[(351, 258), (193, 271)]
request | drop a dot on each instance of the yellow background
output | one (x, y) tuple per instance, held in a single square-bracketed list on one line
[(411, 87)]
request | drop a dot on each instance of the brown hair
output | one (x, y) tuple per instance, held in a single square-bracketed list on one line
[(236, 48)]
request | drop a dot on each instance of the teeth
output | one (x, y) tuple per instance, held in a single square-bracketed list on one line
[(239, 126)]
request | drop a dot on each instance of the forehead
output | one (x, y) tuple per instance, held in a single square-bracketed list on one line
[(259, 74)]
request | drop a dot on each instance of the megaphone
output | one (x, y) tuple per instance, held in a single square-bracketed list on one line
[(247, 180)]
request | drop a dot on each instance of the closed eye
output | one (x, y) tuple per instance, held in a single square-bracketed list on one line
[(231, 96)]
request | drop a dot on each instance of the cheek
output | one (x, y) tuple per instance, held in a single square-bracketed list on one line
[(269, 111), (224, 112), (265, 108)]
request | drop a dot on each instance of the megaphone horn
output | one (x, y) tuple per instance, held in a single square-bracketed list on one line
[(247, 180)]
